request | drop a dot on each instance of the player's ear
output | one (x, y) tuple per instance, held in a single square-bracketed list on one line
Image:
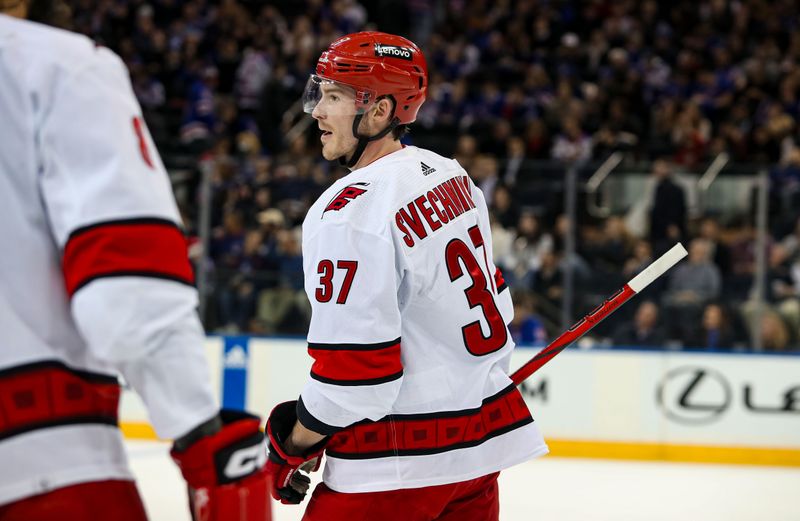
[(382, 111)]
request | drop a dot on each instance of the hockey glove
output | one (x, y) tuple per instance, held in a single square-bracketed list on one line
[(223, 463), (289, 486)]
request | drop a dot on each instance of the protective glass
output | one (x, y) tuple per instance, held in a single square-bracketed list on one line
[(334, 98)]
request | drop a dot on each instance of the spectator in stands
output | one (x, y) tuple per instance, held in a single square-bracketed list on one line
[(785, 182), (548, 281), (537, 139), (531, 244), (484, 174), (235, 289), (253, 73), (527, 326), (714, 332), (782, 292), (791, 242), (619, 131), (692, 284), (697, 279), (743, 260), (502, 241), (610, 250), (720, 252), (515, 157), (199, 118), (284, 308), (466, 151), (497, 143), (690, 135), (641, 257), (504, 207), (774, 333), (572, 145), (644, 330), (668, 209)]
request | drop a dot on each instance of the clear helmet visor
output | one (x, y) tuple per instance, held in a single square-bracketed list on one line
[(333, 98)]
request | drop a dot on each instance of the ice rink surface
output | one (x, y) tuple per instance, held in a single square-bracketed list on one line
[(563, 489)]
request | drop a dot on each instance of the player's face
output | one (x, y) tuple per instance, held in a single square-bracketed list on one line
[(334, 113)]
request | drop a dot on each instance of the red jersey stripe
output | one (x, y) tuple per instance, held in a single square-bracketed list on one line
[(135, 247), (432, 433), (48, 393), (499, 280), (356, 365)]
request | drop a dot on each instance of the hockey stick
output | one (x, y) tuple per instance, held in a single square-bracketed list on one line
[(584, 325)]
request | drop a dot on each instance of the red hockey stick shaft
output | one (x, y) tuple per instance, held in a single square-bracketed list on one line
[(584, 325)]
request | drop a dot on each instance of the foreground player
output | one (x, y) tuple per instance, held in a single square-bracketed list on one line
[(409, 394), (95, 280)]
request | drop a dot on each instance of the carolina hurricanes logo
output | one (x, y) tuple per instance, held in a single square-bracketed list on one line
[(345, 195)]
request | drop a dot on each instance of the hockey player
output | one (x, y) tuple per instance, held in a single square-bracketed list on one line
[(95, 281), (409, 394)]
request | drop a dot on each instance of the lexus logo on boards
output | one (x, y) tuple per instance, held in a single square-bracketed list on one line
[(694, 395)]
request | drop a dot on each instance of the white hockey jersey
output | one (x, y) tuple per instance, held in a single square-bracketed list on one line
[(409, 330), (94, 276)]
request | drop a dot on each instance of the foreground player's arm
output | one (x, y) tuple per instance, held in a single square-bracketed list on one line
[(354, 338), (127, 275)]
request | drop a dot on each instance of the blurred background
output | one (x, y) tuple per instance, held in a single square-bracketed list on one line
[(601, 132)]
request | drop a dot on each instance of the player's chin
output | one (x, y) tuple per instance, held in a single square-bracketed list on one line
[(329, 153)]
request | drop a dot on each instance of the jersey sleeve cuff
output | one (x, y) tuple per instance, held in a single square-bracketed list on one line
[(310, 422)]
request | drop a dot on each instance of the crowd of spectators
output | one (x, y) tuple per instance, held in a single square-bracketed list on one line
[(512, 82)]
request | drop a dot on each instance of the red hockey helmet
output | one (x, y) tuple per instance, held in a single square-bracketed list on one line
[(375, 65)]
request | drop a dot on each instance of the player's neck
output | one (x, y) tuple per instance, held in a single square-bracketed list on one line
[(376, 150)]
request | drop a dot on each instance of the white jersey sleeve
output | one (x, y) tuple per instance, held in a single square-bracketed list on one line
[(354, 335), (111, 211)]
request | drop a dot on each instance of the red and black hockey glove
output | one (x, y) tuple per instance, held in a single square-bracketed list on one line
[(223, 462), (289, 486)]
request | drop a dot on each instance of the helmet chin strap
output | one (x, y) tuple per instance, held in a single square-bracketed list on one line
[(363, 141)]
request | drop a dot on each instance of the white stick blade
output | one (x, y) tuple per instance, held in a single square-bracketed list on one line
[(658, 268)]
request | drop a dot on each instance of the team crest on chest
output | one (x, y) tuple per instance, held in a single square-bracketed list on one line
[(345, 195)]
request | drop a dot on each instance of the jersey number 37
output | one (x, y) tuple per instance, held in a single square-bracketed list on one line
[(458, 256), (479, 294)]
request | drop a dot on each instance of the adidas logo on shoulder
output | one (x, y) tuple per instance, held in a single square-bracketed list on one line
[(426, 170)]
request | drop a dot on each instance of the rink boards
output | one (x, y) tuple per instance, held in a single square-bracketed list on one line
[(629, 404)]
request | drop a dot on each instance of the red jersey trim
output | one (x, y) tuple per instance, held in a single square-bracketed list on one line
[(499, 281), (356, 364), (147, 247), (49, 394), (433, 433)]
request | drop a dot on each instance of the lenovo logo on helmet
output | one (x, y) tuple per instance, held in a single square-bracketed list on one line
[(392, 51)]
